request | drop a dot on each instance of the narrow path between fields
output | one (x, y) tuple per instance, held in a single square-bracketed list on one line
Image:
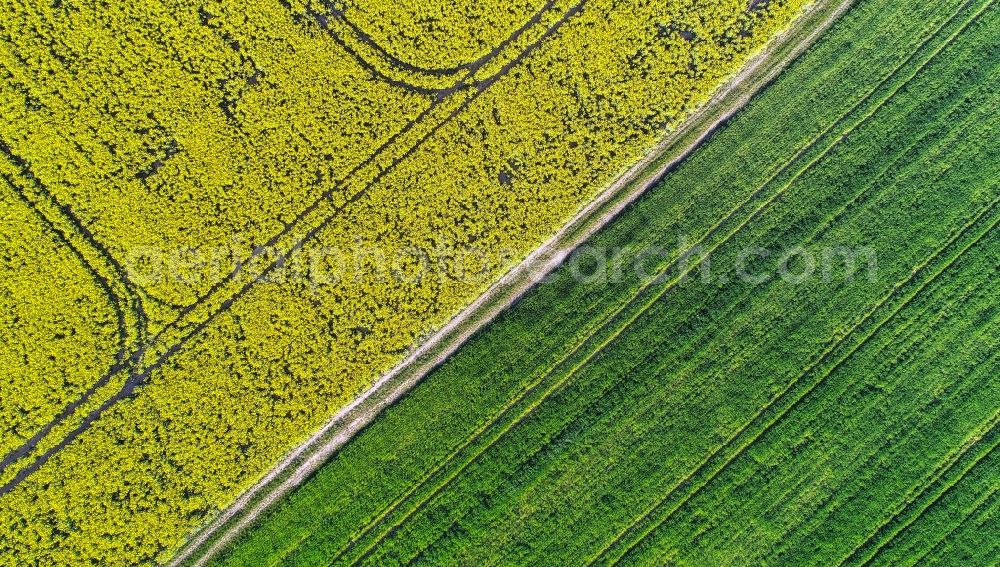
[(759, 71)]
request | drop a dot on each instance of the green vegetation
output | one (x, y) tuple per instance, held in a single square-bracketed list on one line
[(839, 419), (961, 524)]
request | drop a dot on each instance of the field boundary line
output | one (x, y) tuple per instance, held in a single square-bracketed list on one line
[(913, 499), (789, 389), (508, 289), (561, 382), (593, 331)]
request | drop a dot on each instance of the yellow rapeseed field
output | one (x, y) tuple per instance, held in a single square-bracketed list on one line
[(224, 220)]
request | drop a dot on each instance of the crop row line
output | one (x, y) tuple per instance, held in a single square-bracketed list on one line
[(652, 402), (909, 505), (934, 54), (988, 500), (903, 336)]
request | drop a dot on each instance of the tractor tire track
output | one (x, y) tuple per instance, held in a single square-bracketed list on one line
[(762, 414), (394, 62), (120, 290), (911, 502), (139, 373)]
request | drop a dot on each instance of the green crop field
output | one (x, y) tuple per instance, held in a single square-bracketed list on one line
[(815, 383)]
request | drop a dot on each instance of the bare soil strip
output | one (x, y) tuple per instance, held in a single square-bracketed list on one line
[(677, 145)]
